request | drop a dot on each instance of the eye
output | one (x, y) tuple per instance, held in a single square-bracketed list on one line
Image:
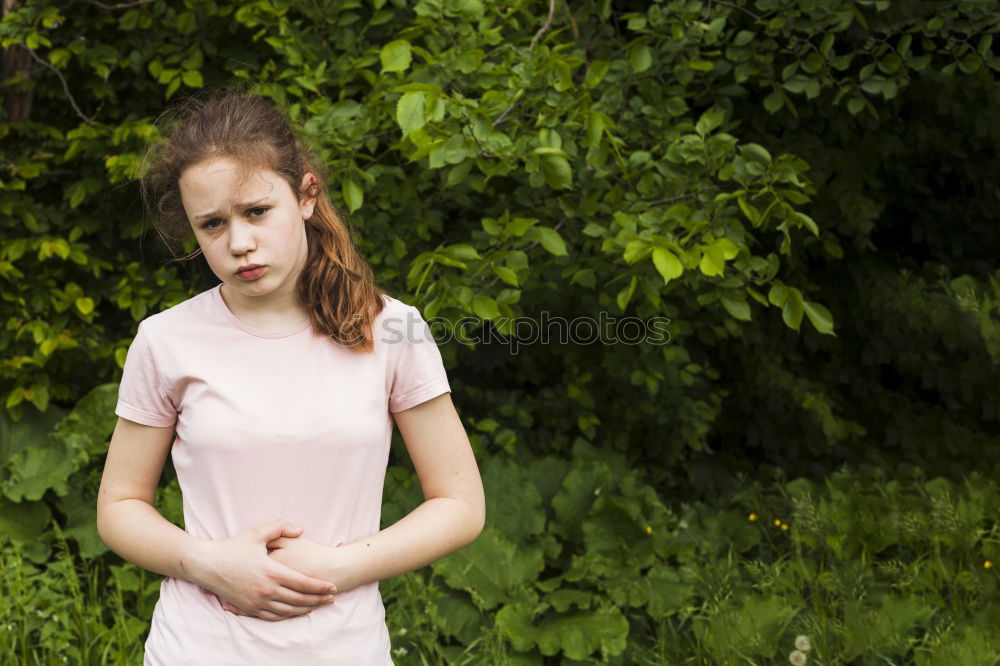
[(211, 224), (262, 209)]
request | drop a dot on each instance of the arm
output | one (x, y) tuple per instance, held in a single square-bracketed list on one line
[(127, 520), (237, 568), (451, 516)]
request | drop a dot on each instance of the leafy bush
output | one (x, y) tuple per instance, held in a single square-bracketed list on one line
[(738, 168)]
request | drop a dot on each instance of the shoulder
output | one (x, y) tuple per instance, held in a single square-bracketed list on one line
[(394, 312), (399, 322), (180, 316), (395, 306)]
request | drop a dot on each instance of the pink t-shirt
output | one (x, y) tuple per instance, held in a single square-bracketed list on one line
[(274, 425)]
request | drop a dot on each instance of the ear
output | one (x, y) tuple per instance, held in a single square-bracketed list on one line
[(307, 201)]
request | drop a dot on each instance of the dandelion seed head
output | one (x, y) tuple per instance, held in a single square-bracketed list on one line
[(802, 643), (797, 658)]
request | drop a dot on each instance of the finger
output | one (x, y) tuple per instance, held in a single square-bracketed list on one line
[(283, 610), (299, 582), (276, 528), (299, 600)]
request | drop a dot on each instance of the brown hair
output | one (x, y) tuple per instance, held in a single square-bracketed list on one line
[(337, 284)]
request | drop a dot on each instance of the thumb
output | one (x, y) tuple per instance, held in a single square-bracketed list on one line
[(277, 528)]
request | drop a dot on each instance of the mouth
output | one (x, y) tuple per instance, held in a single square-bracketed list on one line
[(250, 272)]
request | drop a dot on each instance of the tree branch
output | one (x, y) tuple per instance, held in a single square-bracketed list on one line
[(65, 86), (544, 28), (124, 5)]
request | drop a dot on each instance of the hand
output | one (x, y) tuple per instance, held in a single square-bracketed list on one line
[(239, 571), (299, 553)]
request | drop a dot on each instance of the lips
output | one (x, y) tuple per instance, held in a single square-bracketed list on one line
[(248, 267)]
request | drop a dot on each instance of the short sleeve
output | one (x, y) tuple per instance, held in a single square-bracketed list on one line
[(419, 373), (141, 397)]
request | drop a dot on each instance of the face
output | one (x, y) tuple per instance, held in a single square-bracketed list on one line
[(260, 223)]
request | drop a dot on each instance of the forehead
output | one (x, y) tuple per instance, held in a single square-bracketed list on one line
[(219, 180)]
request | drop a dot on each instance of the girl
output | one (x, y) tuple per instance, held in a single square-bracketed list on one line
[(273, 393)]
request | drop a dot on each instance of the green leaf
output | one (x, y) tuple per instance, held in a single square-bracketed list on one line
[(85, 305), (491, 568), (506, 274), (670, 590), (396, 56), (410, 112), (820, 317), (774, 100), (458, 617), (640, 57), (353, 195), (738, 309), (485, 307), (712, 262), (756, 152), (709, 120), (634, 250), (552, 241), (778, 294), (193, 79), (34, 470), (596, 72), (792, 310), (556, 171), (667, 264), (172, 86), (625, 295), (749, 210), (808, 222), (462, 251), (577, 635)]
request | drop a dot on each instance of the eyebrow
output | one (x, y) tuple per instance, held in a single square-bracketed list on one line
[(244, 204)]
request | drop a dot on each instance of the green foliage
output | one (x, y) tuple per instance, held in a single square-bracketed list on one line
[(801, 188)]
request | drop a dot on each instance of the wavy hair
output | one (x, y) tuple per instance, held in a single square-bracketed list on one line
[(337, 285)]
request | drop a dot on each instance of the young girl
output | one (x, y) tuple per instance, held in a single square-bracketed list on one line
[(275, 393)]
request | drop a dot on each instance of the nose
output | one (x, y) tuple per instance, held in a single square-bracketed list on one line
[(241, 238)]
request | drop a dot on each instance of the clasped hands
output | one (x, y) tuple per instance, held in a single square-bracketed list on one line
[(282, 574)]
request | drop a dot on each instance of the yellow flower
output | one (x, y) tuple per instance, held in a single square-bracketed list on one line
[(777, 521), (987, 564), (649, 530), (784, 526), (753, 516)]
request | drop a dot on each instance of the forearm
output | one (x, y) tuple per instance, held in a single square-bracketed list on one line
[(438, 527), (137, 532)]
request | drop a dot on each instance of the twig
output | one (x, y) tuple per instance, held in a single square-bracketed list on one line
[(548, 24), (576, 28), (125, 5), (64, 85), (497, 277), (742, 9), (503, 116), (679, 197)]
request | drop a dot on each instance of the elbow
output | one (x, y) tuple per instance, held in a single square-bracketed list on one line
[(477, 518)]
